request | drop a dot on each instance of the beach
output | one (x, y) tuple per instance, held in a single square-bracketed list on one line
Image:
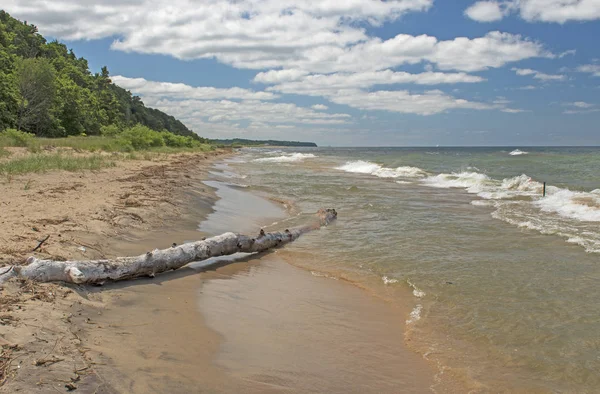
[(251, 324)]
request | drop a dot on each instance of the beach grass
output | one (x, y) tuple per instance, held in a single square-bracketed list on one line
[(134, 139), (43, 162)]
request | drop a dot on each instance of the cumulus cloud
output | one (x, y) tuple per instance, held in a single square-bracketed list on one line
[(302, 35), (144, 87), (485, 11), (326, 85), (593, 69), (427, 103), (211, 111), (539, 75), (403, 101), (558, 11), (320, 107)]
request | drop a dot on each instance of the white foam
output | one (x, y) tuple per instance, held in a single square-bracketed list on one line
[(322, 275), (367, 167), (519, 201), (518, 152), (291, 158), (574, 205), (474, 182), (388, 281), (416, 291), (415, 315)]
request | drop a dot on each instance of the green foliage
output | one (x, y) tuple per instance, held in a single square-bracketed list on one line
[(36, 85), (141, 138), (12, 137), (110, 130), (46, 90), (48, 162)]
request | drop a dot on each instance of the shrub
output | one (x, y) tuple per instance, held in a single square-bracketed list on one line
[(110, 130), (141, 137), (17, 138)]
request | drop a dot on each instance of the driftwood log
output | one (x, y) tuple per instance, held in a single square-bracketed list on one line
[(157, 261)]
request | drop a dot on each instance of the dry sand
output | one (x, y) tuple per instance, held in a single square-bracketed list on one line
[(85, 215)]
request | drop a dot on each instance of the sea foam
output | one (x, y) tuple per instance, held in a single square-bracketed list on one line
[(367, 167), (291, 158), (415, 315)]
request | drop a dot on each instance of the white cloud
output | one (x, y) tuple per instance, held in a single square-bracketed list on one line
[(579, 111), (580, 107), (500, 100), (327, 85), (485, 11), (182, 91), (580, 104), (427, 103), (303, 35), (493, 50), (513, 110), (320, 107), (558, 11), (567, 53), (593, 69), (539, 75), (528, 87), (230, 30)]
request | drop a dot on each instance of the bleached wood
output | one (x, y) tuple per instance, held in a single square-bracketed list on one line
[(157, 261)]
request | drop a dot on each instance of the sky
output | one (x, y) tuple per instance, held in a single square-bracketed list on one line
[(349, 72)]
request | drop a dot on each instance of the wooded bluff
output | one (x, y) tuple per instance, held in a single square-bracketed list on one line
[(48, 91)]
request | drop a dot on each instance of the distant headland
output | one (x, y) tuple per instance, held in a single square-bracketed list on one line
[(245, 142)]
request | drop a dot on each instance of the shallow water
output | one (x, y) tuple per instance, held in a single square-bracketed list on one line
[(288, 330), (504, 280)]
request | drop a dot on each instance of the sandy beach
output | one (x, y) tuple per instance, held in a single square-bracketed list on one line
[(254, 325)]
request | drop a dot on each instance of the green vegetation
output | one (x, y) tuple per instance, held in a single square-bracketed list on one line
[(47, 91), (40, 162), (112, 139), (244, 142)]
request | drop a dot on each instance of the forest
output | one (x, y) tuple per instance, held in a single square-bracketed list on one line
[(46, 90)]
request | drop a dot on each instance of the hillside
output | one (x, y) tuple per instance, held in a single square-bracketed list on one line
[(45, 89)]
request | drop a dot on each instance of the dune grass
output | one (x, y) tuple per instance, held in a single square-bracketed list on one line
[(134, 139), (40, 162)]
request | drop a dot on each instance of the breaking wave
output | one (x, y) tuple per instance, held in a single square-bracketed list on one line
[(519, 201), (518, 152), (291, 158), (367, 167)]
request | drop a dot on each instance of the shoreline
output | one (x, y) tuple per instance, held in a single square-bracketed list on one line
[(156, 317), (90, 214)]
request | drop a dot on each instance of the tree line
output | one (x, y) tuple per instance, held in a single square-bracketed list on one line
[(48, 91)]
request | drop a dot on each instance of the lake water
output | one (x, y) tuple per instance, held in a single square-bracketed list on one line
[(502, 281)]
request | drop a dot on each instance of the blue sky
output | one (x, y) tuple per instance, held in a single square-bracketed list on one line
[(357, 72)]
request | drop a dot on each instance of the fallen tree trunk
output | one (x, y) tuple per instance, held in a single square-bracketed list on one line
[(157, 261)]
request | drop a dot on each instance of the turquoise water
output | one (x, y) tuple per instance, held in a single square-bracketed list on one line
[(504, 281)]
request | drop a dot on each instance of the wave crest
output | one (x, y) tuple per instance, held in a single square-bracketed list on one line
[(367, 167), (518, 152), (291, 158)]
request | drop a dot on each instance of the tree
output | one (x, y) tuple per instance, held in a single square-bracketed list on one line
[(36, 85)]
